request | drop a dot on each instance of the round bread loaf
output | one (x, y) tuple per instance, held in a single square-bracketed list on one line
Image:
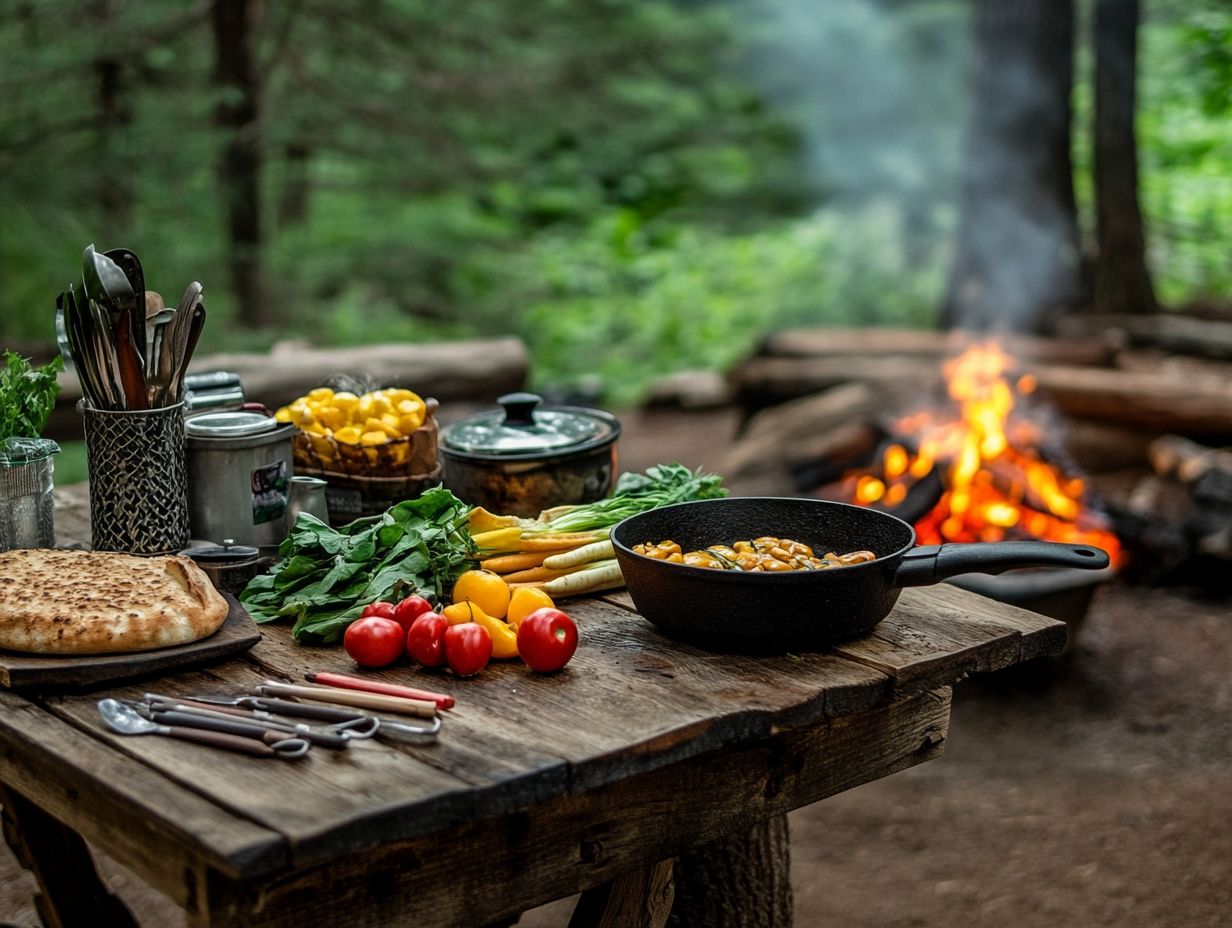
[(100, 602)]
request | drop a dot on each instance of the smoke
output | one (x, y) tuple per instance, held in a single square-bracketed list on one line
[(880, 92), (877, 90)]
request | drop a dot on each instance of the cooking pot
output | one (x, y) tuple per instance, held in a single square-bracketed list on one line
[(800, 610), (524, 457)]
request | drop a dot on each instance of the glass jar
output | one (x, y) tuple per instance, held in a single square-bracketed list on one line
[(27, 509)]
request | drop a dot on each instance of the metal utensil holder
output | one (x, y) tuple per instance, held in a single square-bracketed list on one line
[(138, 479)]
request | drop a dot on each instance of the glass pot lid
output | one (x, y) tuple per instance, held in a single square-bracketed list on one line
[(519, 427)]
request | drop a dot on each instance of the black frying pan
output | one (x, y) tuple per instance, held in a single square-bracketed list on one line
[(800, 610)]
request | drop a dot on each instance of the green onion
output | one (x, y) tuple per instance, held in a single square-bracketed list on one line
[(660, 485)]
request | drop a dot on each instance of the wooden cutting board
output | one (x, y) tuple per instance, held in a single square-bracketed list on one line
[(53, 672)]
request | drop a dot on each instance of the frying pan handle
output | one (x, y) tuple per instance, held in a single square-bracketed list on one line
[(929, 564)]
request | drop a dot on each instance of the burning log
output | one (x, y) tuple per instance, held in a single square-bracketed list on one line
[(989, 455)]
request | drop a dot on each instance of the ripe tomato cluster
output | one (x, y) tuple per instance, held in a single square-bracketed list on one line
[(545, 636)]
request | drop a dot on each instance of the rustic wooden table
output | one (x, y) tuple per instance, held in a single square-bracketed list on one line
[(591, 780)]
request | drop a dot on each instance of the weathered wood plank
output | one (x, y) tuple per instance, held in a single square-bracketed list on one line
[(157, 827), (328, 803), (452, 372), (945, 632), (1092, 348), (630, 701), (587, 839)]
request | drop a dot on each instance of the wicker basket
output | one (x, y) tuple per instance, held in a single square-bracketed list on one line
[(350, 497), (365, 480)]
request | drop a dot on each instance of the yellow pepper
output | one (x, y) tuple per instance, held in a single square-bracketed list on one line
[(504, 638)]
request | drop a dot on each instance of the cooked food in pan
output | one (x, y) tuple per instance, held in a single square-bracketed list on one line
[(761, 554)]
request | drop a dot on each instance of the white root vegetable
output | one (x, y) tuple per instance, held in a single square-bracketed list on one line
[(604, 575), (597, 551)]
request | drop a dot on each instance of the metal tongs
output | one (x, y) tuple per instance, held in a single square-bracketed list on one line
[(188, 711), (346, 723), (129, 719)]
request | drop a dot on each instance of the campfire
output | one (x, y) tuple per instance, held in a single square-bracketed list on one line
[(981, 466)]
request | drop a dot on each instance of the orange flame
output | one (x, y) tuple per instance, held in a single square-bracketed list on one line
[(996, 484)]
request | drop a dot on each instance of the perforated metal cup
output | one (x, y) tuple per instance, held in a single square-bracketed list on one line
[(138, 479)]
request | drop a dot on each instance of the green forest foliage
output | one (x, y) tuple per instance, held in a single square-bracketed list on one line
[(631, 186)]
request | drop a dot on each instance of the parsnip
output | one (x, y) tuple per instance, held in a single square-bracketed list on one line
[(603, 575), (596, 551)]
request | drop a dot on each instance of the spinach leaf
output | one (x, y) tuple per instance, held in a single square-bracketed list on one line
[(326, 575)]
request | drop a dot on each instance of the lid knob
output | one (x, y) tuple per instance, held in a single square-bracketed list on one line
[(519, 408)]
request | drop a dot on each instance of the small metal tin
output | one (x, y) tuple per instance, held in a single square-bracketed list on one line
[(229, 566), (239, 476)]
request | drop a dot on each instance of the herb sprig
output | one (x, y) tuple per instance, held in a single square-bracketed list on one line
[(27, 395)]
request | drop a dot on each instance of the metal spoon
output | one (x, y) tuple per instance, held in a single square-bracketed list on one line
[(128, 262), (124, 720)]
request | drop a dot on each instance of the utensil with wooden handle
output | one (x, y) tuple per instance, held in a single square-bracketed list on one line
[(420, 708), (125, 721)]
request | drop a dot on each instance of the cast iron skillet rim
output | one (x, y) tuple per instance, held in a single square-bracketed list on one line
[(755, 576)]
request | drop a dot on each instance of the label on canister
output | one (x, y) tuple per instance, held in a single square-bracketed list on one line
[(270, 491)]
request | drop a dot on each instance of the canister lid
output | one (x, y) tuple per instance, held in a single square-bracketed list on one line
[(229, 424), (226, 553), (520, 427)]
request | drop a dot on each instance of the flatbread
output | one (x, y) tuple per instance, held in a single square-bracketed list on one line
[(100, 602)]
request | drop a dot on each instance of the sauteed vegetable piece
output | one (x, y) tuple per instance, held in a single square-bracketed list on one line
[(766, 554)]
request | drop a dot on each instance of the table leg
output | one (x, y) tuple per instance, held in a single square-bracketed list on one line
[(71, 894), (742, 880), (640, 899)]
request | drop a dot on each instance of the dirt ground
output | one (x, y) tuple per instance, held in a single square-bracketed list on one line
[(1092, 790)]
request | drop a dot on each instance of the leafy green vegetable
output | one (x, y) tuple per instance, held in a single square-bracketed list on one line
[(326, 576), (660, 485), (27, 395)]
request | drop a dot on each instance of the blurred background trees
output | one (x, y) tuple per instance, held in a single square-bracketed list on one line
[(632, 187)]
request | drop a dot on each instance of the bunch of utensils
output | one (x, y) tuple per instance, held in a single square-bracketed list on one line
[(278, 722), (130, 351)]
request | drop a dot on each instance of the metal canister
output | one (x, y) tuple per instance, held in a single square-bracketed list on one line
[(229, 566), (239, 476)]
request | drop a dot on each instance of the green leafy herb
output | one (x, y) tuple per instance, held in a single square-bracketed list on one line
[(660, 485), (27, 396), (326, 576)]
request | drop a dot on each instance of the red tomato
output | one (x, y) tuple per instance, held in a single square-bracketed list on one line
[(547, 639), (411, 608), (468, 648), (425, 642), (384, 610), (374, 641)]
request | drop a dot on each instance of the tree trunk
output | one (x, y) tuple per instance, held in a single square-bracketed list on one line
[(115, 115), (293, 201), (1122, 282), (1018, 253), (238, 114)]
